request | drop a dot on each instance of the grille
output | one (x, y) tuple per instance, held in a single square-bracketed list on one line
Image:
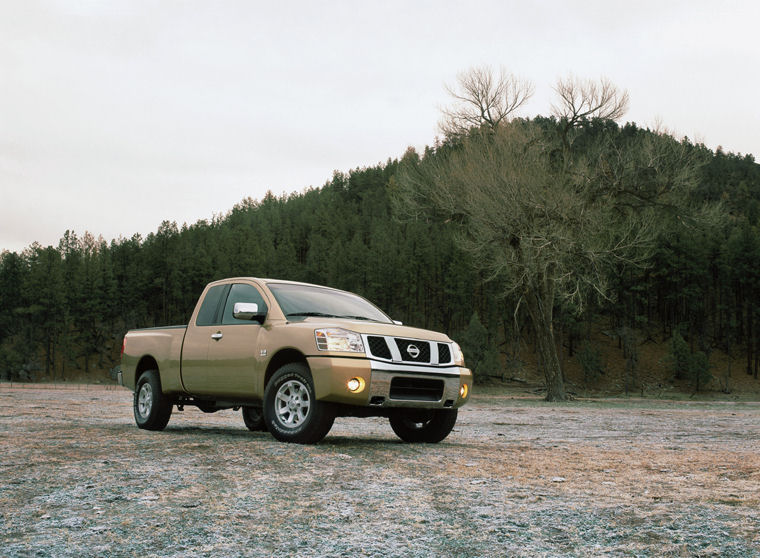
[(378, 347), (416, 389), (422, 346), (444, 354)]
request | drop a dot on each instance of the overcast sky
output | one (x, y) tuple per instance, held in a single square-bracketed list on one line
[(117, 115)]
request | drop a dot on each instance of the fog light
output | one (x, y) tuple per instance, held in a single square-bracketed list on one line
[(355, 385), (463, 391)]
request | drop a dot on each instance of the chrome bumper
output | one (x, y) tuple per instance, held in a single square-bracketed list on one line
[(381, 395), (331, 375)]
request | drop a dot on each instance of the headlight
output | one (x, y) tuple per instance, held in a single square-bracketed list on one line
[(335, 339), (458, 356)]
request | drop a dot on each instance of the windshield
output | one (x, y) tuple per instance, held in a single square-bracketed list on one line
[(307, 300)]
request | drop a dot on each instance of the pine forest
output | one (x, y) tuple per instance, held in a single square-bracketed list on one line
[(687, 318)]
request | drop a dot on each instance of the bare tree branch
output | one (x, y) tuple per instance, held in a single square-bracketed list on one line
[(483, 98), (585, 99), (581, 100)]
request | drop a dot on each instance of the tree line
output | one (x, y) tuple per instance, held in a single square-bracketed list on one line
[(65, 308)]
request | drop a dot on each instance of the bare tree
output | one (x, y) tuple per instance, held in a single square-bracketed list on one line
[(585, 99), (483, 98), (546, 232)]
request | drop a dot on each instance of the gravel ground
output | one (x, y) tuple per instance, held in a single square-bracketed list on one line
[(517, 477)]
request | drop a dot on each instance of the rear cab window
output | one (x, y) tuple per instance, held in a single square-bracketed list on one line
[(207, 315)]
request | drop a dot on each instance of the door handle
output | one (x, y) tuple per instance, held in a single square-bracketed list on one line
[(217, 336)]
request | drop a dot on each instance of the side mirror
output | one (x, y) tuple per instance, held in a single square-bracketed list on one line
[(397, 322), (248, 311)]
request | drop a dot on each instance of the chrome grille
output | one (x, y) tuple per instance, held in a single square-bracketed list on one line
[(412, 350), (378, 347), (444, 353)]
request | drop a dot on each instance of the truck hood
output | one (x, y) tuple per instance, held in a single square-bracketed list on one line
[(374, 328)]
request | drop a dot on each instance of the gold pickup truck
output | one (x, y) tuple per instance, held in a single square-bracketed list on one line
[(294, 356)]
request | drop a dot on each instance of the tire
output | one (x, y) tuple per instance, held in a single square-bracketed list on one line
[(423, 425), (151, 407), (291, 412), (254, 419)]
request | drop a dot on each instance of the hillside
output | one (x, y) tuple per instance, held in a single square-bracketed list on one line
[(64, 309)]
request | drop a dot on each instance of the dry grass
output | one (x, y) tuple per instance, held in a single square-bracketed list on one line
[(517, 477)]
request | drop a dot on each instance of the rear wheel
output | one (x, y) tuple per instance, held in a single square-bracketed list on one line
[(423, 425), (254, 419), (151, 407), (291, 412)]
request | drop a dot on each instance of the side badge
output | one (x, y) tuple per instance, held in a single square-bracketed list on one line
[(263, 352)]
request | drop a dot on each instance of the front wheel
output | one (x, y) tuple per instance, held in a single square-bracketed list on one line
[(423, 425), (151, 407), (291, 412)]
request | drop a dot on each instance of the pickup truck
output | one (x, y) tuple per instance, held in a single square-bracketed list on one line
[(293, 357)]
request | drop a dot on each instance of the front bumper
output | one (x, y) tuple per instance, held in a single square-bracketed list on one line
[(389, 385)]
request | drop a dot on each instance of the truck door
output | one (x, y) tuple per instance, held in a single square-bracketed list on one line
[(195, 374), (234, 361)]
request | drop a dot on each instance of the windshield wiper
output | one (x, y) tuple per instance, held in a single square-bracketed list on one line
[(312, 315), (323, 315)]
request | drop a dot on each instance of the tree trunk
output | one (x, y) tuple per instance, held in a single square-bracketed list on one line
[(52, 360), (48, 349), (540, 307), (749, 340)]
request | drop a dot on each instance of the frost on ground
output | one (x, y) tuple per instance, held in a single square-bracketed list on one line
[(517, 477)]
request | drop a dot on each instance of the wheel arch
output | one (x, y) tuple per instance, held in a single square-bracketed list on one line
[(146, 363), (280, 359)]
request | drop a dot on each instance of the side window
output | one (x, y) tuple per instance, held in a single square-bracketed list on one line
[(242, 292), (210, 306)]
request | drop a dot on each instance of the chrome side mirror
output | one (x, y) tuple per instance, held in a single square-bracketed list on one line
[(247, 311)]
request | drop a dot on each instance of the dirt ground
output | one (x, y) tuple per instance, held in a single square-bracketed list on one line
[(517, 477)]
